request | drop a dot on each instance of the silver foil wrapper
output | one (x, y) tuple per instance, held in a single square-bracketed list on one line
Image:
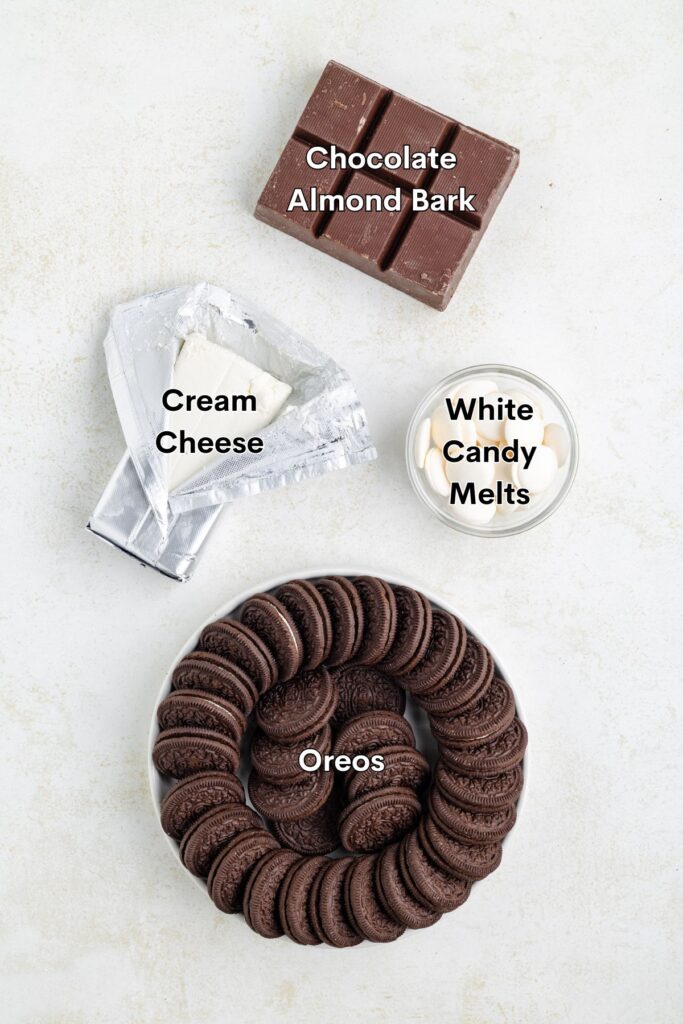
[(322, 427)]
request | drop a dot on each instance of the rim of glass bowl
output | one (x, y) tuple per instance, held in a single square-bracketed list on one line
[(425, 406)]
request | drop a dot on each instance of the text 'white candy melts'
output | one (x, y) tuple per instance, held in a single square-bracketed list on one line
[(541, 470), (422, 441), (434, 471), (556, 437)]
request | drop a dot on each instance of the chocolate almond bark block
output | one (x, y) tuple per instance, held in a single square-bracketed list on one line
[(399, 191)]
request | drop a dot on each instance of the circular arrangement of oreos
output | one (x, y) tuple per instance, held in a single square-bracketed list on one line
[(325, 665)]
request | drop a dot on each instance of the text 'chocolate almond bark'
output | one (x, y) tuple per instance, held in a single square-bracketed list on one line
[(431, 218)]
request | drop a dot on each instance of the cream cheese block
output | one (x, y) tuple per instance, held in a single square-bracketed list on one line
[(204, 368)]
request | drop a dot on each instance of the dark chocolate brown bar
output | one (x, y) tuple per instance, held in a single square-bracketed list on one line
[(422, 251)]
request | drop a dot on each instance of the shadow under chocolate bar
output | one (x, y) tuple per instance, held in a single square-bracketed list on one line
[(423, 252)]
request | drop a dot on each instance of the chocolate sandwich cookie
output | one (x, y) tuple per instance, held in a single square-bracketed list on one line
[(298, 707), (470, 826), (462, 689), (185, 751), (445, 652), (403, 766), (337, 929), (394, 896), (371, 730), (292, 801), (485, 720), (479, 794), (362, 688), (270, 620), (356, 609), (380, 817), (204, 710), (190, 798), (413, 632), (344, 625), (294, 900), (231, 869), (238, 644), (279, 762), (210, 673), (203, 842), (379, 619), (261, 909), (314, 902), (493, 756), (466, 860), (316, 833), (363, 905), (309, 612), (437, 889)]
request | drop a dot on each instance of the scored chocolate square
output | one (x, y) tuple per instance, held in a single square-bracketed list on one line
[(422, 246)]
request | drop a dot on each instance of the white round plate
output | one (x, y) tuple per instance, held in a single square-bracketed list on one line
[(417, 718)]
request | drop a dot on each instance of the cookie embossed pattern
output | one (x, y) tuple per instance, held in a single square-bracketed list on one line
[(363, 672)]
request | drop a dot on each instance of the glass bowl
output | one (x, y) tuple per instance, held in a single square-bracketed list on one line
[(508, 518)]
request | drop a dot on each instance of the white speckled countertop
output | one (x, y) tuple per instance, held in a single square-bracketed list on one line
[(134, 140)]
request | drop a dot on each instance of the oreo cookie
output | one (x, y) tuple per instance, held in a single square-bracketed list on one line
[(204, 710), (372, 730), (211, 832), (464, 687), (240, 646), (186, 751), (309, 612), (316, 833), (491, 757), (231, 869), (485, 720), (412, 634), (210, 673), (261, 909), (394, 896), (362, 688), (189, 799), (379, 619), (279, 762), (380, 817), (403, 766), (298, 707), (335, 922), (485, 793), (445, 652), (291, 801), (270, 620)]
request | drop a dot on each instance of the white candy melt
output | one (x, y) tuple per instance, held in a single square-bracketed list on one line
[(481, 474), (422, 439), (556, 437), (476, 388), (435, 473), (541, 471), (445, 429), (527, 432), (474, 515), (489, 426)]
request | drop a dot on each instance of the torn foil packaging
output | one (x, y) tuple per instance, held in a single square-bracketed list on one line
[(321, 427)]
